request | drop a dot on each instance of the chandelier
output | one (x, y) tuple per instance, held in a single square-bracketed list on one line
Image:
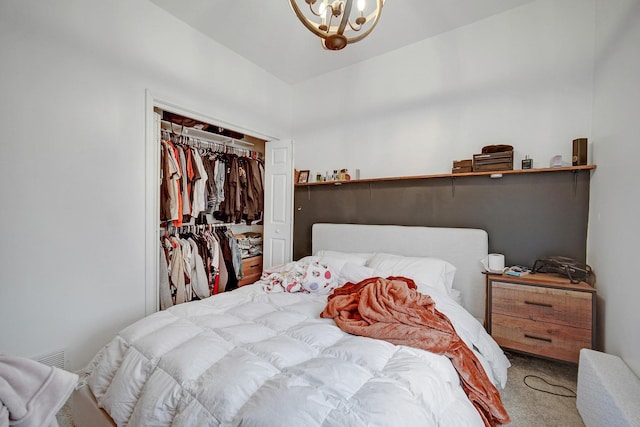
[(336, 23)]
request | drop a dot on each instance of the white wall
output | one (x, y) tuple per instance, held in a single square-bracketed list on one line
[(614, 225), (73, 76), (523, 77)]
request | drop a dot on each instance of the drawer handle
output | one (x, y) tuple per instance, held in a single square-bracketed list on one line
[(537, 338), (540, 304), (254, 265)]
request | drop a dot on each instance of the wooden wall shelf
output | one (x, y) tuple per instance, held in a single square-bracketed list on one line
[(455, 175), (528, 213)]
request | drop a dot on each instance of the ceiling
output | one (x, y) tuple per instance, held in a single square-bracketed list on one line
[(267, 33)]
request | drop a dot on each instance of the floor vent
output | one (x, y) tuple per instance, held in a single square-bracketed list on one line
[(53, 359)]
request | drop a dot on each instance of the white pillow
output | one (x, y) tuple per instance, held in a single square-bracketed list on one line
[(359, 258), (334, 263), (425, 271), (338, 259), (354, 273)]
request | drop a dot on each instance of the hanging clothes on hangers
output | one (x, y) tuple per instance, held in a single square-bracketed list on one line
[(165, 289), (254, 190), (172, 205), (200, 260), (201, 180), (176, 270), (208, 247), (197, 273), (220, 177), (200, 185), (227, 258), (186, 180)]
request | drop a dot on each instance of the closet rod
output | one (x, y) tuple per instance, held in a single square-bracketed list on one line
[(203, 135), (185, 227)]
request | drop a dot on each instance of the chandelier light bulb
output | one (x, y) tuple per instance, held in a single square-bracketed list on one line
[(323, 16), (337, 7)]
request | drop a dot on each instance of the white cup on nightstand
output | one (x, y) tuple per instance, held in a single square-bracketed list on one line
[(493, 263)]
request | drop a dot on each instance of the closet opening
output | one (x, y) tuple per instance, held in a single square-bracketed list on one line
[(276, 224), (211, 208)]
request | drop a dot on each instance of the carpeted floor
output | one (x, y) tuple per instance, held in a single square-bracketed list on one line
[(64, 416), (527, 407)]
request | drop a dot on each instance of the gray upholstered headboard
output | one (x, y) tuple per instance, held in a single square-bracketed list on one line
[(462, 247)]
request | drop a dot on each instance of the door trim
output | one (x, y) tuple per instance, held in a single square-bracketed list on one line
[(152, 185)]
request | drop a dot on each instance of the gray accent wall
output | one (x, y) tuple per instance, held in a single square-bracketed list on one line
[(527, 216)]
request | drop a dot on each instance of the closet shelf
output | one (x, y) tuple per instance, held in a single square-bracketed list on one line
[(199, 134), (455, 175)]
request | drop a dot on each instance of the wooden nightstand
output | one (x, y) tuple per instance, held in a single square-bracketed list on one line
[(251, 270), (541, 314)]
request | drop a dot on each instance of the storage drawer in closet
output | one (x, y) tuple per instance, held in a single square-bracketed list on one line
[(251, 270)]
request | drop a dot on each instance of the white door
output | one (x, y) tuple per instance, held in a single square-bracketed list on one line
[(278, 204)]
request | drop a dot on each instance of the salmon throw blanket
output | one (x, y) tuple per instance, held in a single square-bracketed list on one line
[(393, 310)]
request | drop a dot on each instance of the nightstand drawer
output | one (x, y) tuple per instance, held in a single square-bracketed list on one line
[(557, 306), (541, 338), (251, 270)]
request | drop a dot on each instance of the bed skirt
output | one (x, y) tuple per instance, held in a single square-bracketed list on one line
[(86, 412)]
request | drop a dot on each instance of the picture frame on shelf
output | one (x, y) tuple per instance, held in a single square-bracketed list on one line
[(303, 177)]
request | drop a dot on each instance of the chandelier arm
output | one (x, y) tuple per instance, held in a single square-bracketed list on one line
[(358, 28), (371, 27), (346, 13), (313, 11), (306, 22)]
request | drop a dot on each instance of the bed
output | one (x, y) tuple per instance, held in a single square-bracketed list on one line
[(258, 357)]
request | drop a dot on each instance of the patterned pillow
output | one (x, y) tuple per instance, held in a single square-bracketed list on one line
[(319, 279), (306, 276)]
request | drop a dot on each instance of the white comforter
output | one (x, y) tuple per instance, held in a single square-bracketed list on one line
[(248, 358)]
